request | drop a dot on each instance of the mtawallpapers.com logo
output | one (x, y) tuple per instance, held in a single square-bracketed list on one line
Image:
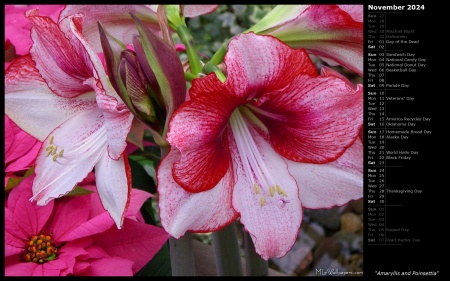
[(336, 272)]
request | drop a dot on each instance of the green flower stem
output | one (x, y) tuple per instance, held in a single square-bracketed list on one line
[(186, 38), (226, 250), (255, 265), (220, 54), (189, 76), (182, 256), (209, 67)]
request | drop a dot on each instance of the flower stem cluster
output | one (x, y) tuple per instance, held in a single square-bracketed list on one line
[(149, 77)]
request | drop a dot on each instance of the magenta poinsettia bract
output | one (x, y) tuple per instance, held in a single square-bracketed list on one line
[(75, 236)]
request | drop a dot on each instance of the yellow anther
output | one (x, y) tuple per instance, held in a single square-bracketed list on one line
[(284, 193), (49, 150), (271, 191), (53, 150), (263, 200), (279, 190), (256, 187)]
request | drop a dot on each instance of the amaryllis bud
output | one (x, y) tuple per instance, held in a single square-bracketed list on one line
[(139, 93), (162, 67), (132, 78), (149, 79), (127, 77)]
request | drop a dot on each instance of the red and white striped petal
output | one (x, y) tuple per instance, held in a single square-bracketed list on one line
[(355, 11), (182, 211), (73, 149), (257, 64), (331, 184), (342, 53), (198, 129), (113, 180), (118, 119), (115, 19), (328, 30), (271, 211), (60, 65), (191, 11), (33, 106), (314, 119), (73, 26)]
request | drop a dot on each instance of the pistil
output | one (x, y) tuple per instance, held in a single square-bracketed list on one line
[(253, 162)]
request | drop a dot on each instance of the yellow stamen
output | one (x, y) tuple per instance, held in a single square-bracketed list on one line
[(271, 191), (279, 190), (54, 150), (256, 187), (49, 150), (263, 199)]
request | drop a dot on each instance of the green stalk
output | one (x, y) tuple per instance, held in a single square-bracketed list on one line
[(182, 256), (182, 260), (189, 76), (186, 38), (255, 265), (226, 251), (209, 67), (220, 54)]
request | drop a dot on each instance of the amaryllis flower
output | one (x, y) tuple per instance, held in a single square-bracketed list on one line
[(332, 32), (60, 94), (21, 150), (117, 21), (76, 236), (274, 138)]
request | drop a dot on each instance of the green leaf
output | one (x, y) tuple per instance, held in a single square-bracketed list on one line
[(150, 213), (79, 191), (140, 177), (13, 182)]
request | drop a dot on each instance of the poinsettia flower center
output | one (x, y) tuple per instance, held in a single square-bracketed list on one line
[(39, 249), (264, 186)]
